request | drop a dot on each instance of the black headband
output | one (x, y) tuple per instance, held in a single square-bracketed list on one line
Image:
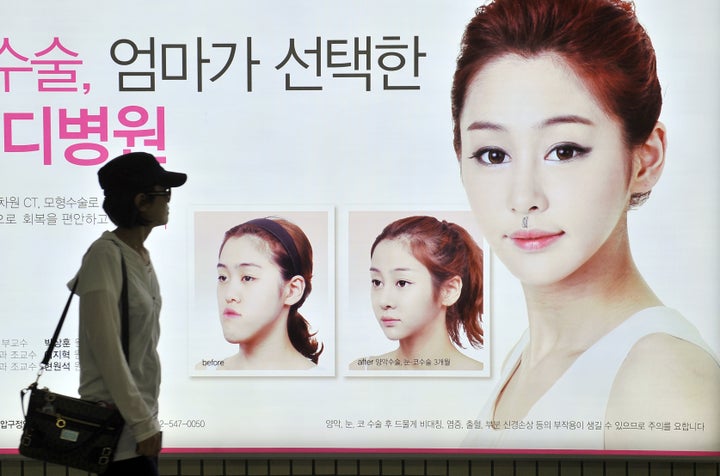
[(279, 232)]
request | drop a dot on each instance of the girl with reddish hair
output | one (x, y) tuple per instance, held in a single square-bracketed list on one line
[(426, 289), (264, 276), (555, 106)]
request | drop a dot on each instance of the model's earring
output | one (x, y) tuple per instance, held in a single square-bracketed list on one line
[(525, 222)]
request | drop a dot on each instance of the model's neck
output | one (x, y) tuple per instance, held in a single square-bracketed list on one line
[(571, 315), (431, 342), (271, 348)]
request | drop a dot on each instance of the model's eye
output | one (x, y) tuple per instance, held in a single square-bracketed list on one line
[(567, 152), (402, 283), (247, 278), (222, 278), (376, 283), (490, 156)]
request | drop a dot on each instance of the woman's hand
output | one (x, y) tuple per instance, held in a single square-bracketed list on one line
[(150, 447)]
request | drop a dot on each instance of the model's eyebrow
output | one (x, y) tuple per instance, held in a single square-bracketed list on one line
[(485, 125), (570, 119), (375, 270), (553, 121), (239, 265)]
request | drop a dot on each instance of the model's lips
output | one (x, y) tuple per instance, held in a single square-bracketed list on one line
[(534, 240), (387, 321), (230, 313)]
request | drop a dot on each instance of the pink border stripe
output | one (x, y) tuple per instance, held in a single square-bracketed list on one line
[(430, 451), (440, 451)]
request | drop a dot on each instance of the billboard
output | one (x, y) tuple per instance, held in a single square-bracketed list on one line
[(336, 117)]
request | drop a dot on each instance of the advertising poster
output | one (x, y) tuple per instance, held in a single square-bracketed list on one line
[(335, 116)]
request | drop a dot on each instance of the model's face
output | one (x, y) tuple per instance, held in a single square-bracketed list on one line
[(401, 291), (536, 144), (249, 289)]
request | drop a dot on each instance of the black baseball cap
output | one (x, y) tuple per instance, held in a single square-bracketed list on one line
[(137, 171)]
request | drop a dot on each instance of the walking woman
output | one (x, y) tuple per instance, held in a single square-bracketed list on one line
[(137, 193)]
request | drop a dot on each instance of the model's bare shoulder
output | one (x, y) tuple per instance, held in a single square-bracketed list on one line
[(464, 362), (665, 381)]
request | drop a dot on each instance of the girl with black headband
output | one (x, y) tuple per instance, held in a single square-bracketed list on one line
[(264, 276)]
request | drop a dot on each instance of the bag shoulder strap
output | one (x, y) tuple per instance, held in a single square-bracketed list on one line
[(56, 334), (125, 321)]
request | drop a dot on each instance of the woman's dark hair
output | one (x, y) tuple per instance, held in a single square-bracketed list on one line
[(446, 250), (119, 205), (297, 326), (601, 40)]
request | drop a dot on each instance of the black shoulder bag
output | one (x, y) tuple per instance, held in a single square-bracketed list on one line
[(70, 431)]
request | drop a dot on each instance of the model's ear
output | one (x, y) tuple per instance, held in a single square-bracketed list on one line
[(450, 291), (648, 161), (294, 290)]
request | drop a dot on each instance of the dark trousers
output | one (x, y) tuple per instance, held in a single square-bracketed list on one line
[(140, 466)]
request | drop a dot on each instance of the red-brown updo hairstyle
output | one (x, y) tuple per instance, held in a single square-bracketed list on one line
[(601, 40)]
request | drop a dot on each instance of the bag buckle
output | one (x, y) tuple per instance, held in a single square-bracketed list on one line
[(60, 422)]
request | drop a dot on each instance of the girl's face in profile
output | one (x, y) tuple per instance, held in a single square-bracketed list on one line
[(249, 289), (156, 210), (537, 144), (401, 291)]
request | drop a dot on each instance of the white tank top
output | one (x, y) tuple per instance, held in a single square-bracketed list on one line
[(571, 414)]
